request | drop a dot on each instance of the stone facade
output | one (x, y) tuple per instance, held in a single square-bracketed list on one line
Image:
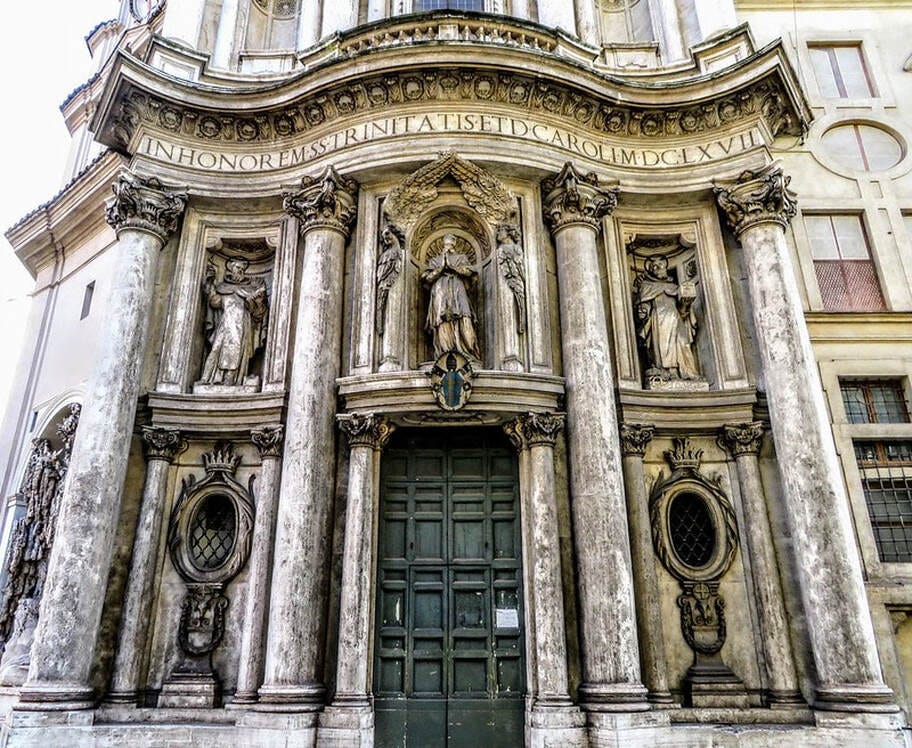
[(538, 368)]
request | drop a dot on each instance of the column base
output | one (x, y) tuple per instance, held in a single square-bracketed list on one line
[(554, 721), (785, 700), (714, 686), (42, 697), (190, 692), (632, 729), (613, 697), (243, 699), (856, 697), (309, 697), (662, 700), (122, 697), (346, 725)]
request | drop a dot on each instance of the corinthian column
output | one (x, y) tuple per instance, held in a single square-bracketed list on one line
[(268, 442), (161, 445), (144, 215), (743, 442), (758, 206), (635, 439), (574, 206), (325, 208)]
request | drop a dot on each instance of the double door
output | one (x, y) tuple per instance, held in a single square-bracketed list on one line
[(449, 659)]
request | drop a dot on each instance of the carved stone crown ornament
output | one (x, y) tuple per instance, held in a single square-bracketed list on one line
[(570, 197), (365, 430), (162, 444), (757, 197), (144, 205), (742, 438), (327, 202)]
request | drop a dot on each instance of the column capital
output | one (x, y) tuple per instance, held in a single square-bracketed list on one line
[(534, 429), (573, 198), (365, 430), (327, 202), (144, 204), (742, 438), (268, 440), (756, 197), (162, 444), (635, 437)]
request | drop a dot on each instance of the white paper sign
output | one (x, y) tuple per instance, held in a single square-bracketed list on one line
[(507, 618)]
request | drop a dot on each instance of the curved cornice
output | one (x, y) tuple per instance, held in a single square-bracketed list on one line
[(513, 66)]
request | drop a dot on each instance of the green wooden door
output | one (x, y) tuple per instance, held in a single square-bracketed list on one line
[(449, 664)]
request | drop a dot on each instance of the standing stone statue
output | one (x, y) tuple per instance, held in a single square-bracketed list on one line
[(510, 258), (236, 320), (666, 323), (450, 318)]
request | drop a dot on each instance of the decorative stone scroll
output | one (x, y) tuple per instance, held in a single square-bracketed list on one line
[(635, 438), (144, 205), (162, 444), (30, 547), (328, 202), (742, 438), (695, 535), (365, 430), (209, 540), (268, 440), (571, 197), (755, 197)]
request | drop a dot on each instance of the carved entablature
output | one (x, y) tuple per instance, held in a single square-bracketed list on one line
[(144, 205), (571, 197), (328, 202), (757, 197)]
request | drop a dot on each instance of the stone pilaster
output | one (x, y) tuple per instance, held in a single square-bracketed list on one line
[(144, 215), (268, 442), (160, 446), (350, 717), (574, 206), (325, 209), (758, 206), (634, 440), (743, 442)]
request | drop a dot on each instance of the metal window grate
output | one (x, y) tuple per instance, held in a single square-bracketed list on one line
[(886, 477), (874, 401), (692, 533), (849, 286), (212, 532)]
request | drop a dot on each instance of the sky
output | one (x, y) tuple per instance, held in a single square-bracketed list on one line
[(43, 56)]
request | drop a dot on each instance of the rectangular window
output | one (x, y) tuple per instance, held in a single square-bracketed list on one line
[(842, 262), (886, 477), (87, 300), (874, 401), (841, 72)]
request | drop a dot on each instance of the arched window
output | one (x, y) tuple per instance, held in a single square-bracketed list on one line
[(272, 24)]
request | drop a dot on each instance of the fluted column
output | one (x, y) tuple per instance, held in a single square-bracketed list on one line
[(574, 206), (144, 215), (160, 445), (634, 440), (758, 206), (325, 208), (268, 442), (743, 441)]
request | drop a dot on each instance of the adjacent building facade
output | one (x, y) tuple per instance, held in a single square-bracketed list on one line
[(469, 372)]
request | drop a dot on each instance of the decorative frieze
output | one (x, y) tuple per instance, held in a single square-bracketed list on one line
[(144, 205), (635, 438), (268, 441), (365, 430), (757, 196), (162, 444), (571, 197), (327, 202), (742, 438)]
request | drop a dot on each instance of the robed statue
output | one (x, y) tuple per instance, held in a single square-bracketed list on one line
[(450, 319), (236, 319), (666, 323)]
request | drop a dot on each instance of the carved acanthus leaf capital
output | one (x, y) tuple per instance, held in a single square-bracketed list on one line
[(570, 197), (756, 197), (365, 430), (635, 437), (162, 444), (144, 205), (327, 202), (534, 429), (268, 440), (742, 438)]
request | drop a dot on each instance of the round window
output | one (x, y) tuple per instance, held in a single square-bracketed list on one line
[(212, 532), (692, 530), (862, 147)]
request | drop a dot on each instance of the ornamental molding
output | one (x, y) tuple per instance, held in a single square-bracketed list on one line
[(571, 197), (329, 201), (742, 438), (365, 430), (144, 205), (757, 197)]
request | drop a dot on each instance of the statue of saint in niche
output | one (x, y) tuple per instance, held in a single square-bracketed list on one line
[(236, 318), (450, 318), (666, 323)]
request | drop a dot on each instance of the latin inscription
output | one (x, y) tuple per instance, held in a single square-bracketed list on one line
[(594, 148)]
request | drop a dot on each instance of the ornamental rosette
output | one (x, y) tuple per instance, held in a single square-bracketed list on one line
[(742, 438), (144, 205), (162, 444), (329, 202), (757, 197), (365, 430), (570, 197)]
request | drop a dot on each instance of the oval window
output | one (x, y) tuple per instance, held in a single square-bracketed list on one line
[(212, 532), (692, 530), (862, 147)]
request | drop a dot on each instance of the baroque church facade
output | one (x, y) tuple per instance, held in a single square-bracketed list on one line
[(469, 372)]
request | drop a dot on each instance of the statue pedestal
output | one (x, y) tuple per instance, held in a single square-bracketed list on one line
[(190, 690), (226, 389), (675, 385)]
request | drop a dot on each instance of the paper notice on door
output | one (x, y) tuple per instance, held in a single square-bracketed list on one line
[(506, 618)]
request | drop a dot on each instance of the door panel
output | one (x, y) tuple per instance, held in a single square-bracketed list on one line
[(449, 654)]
